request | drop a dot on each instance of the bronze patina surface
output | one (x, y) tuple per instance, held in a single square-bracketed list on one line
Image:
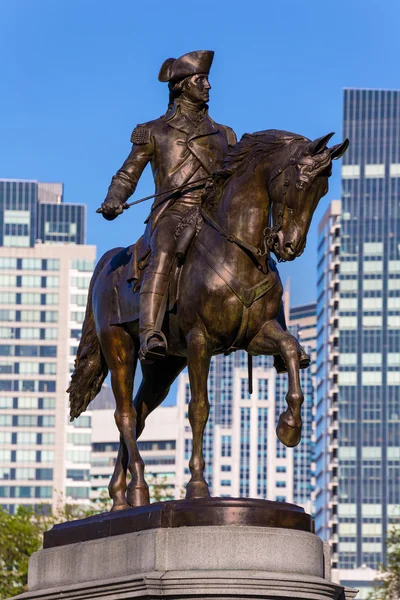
[(260, 200), (181, 513)]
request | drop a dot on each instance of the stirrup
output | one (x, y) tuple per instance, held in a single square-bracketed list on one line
[(153, 347)]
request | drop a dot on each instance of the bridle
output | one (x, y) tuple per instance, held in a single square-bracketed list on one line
[(271, 231)]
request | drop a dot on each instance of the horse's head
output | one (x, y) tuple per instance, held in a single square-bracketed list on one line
[(295, 189)]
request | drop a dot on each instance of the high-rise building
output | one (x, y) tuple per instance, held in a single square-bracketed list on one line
[(45, 270), (363, 395), (327, 373)]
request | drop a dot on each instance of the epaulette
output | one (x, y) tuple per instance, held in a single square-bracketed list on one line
[(231, 136), (141, 134)]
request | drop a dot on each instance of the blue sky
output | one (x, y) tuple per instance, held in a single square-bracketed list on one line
[(78, 75)]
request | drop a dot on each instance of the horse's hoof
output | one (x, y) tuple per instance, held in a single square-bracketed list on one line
[(197, 489), (138, 496), (117, 507), (288, 435)]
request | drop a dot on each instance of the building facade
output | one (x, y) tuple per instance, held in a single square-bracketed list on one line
[(364, 390), (327, 373), (43, 290), (243, 455), (157, 445)]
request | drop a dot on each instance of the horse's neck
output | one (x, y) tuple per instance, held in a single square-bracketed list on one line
[(244, 207)]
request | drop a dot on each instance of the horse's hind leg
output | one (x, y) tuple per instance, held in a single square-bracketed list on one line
[(156, 383), (199, 407), (290, 423), (121, 356)]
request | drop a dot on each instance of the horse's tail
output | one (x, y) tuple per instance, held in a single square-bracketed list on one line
[(90, 366)]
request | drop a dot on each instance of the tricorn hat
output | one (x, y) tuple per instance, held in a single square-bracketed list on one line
[(192, 63)]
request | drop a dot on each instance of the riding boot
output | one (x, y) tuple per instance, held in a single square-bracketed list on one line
[(153, 344)]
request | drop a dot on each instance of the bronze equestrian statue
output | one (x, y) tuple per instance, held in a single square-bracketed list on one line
[(226, 295)]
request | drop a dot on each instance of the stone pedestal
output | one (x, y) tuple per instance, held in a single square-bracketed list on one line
[(224, 561)]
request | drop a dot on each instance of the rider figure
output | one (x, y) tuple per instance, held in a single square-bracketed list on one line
[(183, 146)]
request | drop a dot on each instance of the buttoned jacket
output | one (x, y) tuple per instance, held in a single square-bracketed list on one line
[(180, 152)]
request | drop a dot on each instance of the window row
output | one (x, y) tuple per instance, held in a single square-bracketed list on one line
[(28, 333), (24, 491), (29, 281), (27, 368), (28, 298), (27, 421), (26, 474), (27, 438), (29, 316), (28, 350), (30, 264), (27, 402), (21, 456), (27, 385)]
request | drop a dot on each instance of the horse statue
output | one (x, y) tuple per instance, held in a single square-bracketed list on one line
[(228, 297)]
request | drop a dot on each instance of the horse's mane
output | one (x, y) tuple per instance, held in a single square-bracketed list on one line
[(249, 151)]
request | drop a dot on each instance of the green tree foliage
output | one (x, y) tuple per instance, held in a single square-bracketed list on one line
[(20, 536), (388, 587)]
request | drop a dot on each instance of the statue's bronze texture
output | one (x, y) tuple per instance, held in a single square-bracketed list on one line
[(205, 512), (225, 295)]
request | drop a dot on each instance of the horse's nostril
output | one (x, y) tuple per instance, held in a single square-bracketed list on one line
[(290, 248)]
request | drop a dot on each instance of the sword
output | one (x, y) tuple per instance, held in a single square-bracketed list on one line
[(180, 187)]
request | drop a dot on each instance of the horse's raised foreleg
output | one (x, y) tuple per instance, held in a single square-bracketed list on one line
[(120, 353), (290, 423), (199, 364)]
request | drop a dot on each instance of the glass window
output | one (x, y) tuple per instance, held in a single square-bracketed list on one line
[(27, 473), (49, 351), (26, 438), (48, 403), (30, 298), (78, 317), (78, 492), (79, 299), (6, 367), (29, 333), (5, 437), (7, 315), (47, 439), (51, 316), (26, 456), (27, 421), (47, 456), (82, 283), (34, 281), (52, 282), (8, 280), (49, 368), (6, 402), (8, 263), (32, 264), (51, 299), (83, 265), (48, 421), (6, 350), (8, 298), (30, 316), (53, 264), (44, 491), (5, 456), (29, 368), (28, 402), (51, 333), (82, 421), (5, 420)]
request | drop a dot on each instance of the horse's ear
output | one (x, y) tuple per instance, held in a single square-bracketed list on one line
[(338, 150), (319, 144)]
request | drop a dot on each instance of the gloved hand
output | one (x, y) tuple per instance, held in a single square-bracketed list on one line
[(110, 210)]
